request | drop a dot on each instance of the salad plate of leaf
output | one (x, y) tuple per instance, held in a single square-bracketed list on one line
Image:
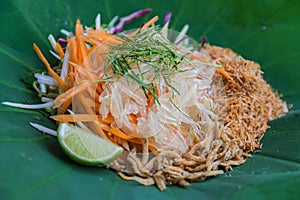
[(33, 165)]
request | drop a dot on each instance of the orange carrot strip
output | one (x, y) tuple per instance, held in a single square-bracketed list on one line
[(78, 34), (145, 26), (60, 50), (99, 88), (92, 40), (149, 23), (78, 29), (80, 118), (75, 118), (220, 70), (96, 126), (70, 78), (70, 93), (139, 141), (84, 72), (71, 72), (152, 148), (56, 77), (114, 139), (64, 106), (120, 134), (109, 119), (73, 53), (82, 50), (132, 118), (103, 36), (184, 132), (195, 57)]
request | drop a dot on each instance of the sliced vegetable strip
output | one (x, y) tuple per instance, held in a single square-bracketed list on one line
[(57, 78), (69, 94), (219, 69)]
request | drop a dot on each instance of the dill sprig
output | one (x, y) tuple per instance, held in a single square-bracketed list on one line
[(145, 58)]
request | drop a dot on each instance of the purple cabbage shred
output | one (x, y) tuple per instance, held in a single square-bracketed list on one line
[(62, 41), (202, 43), (168, 17), (127, 19)]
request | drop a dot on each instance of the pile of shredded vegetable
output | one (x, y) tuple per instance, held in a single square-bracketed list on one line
[(182, 113)]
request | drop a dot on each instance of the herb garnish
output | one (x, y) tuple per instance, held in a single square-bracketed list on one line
[(145, 58)]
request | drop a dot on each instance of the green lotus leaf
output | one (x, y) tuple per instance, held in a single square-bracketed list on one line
[(34, 167)]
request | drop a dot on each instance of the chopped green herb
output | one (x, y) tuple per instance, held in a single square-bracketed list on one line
[(147, 54)]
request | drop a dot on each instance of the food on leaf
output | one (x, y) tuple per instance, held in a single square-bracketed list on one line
[(179, 110)]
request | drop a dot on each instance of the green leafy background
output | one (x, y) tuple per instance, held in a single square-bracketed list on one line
[(32, 165)]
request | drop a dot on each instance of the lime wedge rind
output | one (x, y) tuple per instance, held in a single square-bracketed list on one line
[(85, 147)]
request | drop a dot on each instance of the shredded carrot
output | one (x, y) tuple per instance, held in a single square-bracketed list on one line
[(56, 77), (149, 23), (99, 88), (70, 93), (152, 148), (133, 118), (139, 141), (195, 57), (220, 70), (146, 25), (75, 118), (60, 50), (81, 118), (63, 108), (109, 119), (120, 134), (103, 36), (73, 53), (98, 128), (184, 132), (86, 106), (82, 53), (79, 44), (78, 29), (83, 72), (71, 74), (150, 99)]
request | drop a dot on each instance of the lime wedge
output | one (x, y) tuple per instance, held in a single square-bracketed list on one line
[(85, 147)]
